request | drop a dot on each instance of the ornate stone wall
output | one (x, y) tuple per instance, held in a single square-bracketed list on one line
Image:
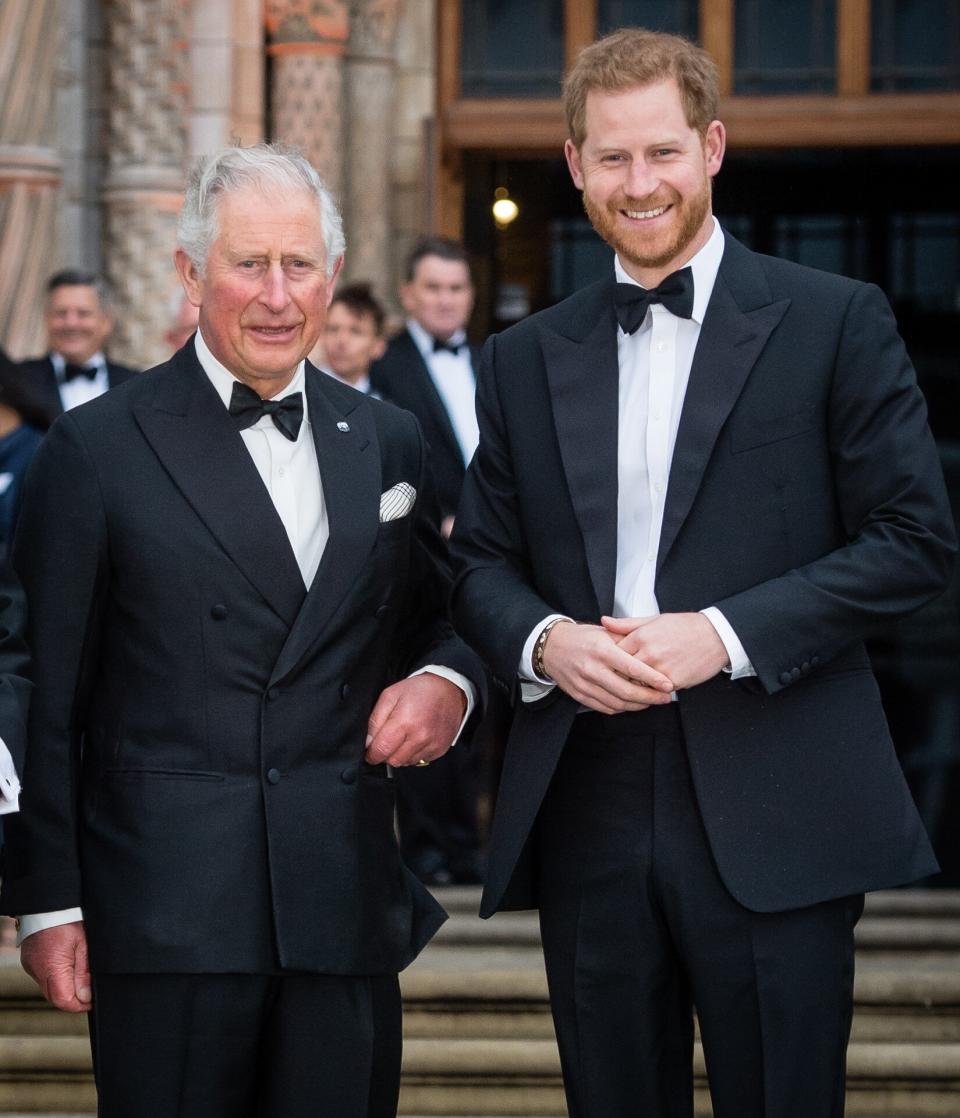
[(370, 105), (30, 167), (306, 43), (146, 152)]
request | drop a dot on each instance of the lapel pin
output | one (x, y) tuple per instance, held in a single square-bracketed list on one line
[(343, 426)]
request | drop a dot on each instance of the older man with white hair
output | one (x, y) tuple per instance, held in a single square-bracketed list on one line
[(236, 608)]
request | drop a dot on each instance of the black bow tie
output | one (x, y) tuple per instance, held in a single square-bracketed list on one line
[(71, 372), (675, 292), (439, 346), (247, 408)]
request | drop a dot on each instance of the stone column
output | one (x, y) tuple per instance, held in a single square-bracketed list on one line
[(306, 42), (30, 168), (370, 116), (148, 64)]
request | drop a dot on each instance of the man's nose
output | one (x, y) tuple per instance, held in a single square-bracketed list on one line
[(642, 180), (275, 293)]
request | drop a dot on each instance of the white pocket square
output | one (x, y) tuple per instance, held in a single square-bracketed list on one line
[(397, 501)]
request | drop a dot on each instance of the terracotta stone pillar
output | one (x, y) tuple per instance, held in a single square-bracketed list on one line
[(371, 110), (146, 150), (306, 42), (30, 169)]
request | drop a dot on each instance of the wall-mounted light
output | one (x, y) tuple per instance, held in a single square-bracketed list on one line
[(505, 210)]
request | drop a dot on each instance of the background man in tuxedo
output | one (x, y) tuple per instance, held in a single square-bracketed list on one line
[(78, 324), (709, 474), (227, 563), (429, 369), (353, 336)]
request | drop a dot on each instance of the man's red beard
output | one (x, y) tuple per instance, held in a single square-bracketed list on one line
[(636, 248)]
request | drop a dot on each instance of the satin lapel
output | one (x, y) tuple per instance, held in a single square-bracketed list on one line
[(583, 373), (201, 449), (350, 475), (431, 397), (730, 342)]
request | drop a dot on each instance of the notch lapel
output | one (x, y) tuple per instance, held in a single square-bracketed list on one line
[(583, 373), (198, 444), (731, 340), (350, 475)]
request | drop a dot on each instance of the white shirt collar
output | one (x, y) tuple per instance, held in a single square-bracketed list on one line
[(59, 362), (705, 265), (223, 380), (424, 339)]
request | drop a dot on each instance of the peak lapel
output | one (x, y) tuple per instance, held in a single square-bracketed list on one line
[(731, 340), (583, 373), (201, 449), (350, 476)]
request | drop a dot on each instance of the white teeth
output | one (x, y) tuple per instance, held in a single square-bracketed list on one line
[(645, 213)]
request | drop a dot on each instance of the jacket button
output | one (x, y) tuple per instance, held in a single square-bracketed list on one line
[(345, 691), (382, 612), (273, 693), (349, 776), (273, 776), (805, 667), (218, 612), (785, 678), (814, 660), (795, 673)]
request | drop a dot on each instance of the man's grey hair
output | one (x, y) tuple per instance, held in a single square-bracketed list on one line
[(78, 277), (238, 168)]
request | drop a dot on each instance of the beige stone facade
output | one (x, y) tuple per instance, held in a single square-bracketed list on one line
[(104, 103)]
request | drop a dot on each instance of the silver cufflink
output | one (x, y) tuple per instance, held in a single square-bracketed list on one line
[(343, 426)]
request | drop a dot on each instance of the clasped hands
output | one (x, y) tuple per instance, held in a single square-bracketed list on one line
[(631, 663)]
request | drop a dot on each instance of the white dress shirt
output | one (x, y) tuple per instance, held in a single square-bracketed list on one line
[(9, 784), (291, 473), (655, 363), (80, 390), (453, 377)]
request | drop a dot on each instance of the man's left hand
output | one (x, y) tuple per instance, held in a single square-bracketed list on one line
[(415, 720), (684, 646)]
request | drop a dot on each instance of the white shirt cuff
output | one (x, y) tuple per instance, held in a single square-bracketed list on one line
[(40, 921), (740, 666), (462, 682), (531, 686), (9, 784)]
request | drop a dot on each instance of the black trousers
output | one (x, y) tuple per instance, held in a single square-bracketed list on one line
[(638, 929), (246, 1046)]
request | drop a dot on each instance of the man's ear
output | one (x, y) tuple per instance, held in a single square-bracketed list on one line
[(332, 281), (572, 154), (379, 349), (189, 277), (714, 146)]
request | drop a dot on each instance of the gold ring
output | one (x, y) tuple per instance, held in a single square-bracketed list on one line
[(421, 764)]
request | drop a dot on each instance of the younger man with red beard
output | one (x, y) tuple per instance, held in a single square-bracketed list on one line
[(700, 485)]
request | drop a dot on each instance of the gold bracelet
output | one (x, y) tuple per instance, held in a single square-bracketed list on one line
[(538, 649)]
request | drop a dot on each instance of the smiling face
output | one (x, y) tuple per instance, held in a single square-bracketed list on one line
[(77, 324), (264, 293), (645, 176)]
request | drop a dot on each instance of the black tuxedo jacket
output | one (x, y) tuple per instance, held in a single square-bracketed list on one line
[(195, 776), (402, 377), (805, 500), (15, 683), (41, 385)]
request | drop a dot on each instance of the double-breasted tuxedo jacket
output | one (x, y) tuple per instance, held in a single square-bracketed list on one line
[(41, 387), (195, 776), (402, 377), (805, 500)]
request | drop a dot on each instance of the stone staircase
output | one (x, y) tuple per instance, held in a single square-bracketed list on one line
[(479, 1039)]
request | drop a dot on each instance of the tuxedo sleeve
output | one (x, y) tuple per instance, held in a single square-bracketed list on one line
[(60, 554), (15, 685), (892, 503), (495, 607), (425, 634)]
